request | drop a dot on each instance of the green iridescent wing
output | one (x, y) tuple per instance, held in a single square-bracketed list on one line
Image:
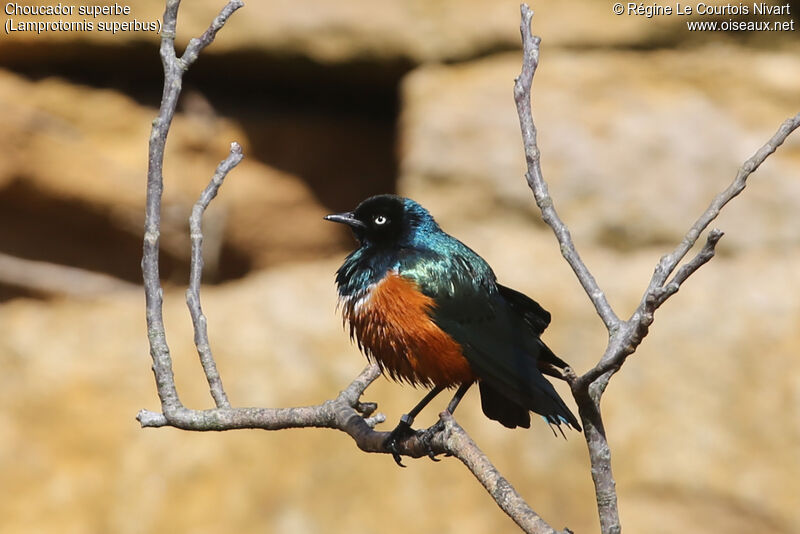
[(497, 327)]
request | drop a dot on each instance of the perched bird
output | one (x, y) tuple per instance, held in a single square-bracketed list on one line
[(430, 312)]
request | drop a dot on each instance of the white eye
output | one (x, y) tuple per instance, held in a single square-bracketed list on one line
[(381, 220)]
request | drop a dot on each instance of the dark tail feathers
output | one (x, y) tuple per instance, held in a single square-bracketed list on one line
[(498, 407)]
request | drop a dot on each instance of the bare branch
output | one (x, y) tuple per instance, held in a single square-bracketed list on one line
[(624, 337), (346, 413), (197, 44), (53, 279), (173, 75), (671, 260), (522, 97), (658, 291), (659, 295), (504, 494), (196, 273), (588, 404), (342, 413)]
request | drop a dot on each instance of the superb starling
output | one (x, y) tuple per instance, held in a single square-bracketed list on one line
[(430, 312)]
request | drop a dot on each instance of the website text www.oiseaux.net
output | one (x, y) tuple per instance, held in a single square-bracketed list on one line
[(740, 15)]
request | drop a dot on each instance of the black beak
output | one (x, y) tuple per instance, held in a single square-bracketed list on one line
[(345, 218)]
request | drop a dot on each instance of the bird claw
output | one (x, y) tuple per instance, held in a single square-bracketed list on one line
[(426, 436), (402, 431), (392, 446)]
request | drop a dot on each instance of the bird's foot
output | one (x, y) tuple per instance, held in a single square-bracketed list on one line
[(427, 435), (402, 431)]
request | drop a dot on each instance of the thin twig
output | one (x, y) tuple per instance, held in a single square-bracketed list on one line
[(659, 295), (196, 274), (588, 403), (522, 98), (670, 261), (197, 44), (659, 290)]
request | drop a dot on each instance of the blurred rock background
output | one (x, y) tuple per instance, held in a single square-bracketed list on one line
[(640, 123)]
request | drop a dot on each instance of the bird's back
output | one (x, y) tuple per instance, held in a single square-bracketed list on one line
[(497, 328)]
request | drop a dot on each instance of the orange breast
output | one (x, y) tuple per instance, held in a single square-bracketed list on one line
[(392, 325)]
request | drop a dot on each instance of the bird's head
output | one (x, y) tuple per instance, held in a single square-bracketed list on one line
[(388, 220)]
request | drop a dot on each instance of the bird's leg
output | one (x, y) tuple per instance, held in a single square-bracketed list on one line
[(403, 428), (462, 390), (427, 435)]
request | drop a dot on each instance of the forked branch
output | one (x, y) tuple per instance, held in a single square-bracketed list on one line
[(624, 336)]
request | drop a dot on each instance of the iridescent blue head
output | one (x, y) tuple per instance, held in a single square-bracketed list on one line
[(388, 220)]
